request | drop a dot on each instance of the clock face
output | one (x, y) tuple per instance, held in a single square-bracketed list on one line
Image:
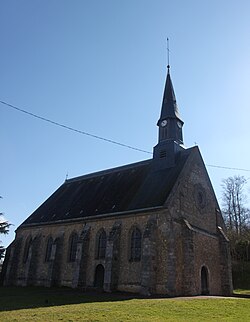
[(179, 124), (164, 123)]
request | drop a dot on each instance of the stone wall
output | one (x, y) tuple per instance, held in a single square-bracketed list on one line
[(206, 249), (171, 260), (193, 197), (124, 274)]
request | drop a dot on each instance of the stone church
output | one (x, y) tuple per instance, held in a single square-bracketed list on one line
[(151, 227)]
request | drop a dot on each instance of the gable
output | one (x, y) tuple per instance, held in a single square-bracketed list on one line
[(193, 196)]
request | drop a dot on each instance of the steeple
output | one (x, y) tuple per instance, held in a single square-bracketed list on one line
[(169, 106), (170, 123), (170, 127)]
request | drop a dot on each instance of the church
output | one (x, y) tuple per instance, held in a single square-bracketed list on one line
[(151, 227)]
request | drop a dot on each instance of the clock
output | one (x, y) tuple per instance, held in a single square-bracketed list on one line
[(179, 124), (164, 123)]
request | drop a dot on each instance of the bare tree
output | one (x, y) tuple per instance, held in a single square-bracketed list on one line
[(234, 200), (4, 229), (237, 216)]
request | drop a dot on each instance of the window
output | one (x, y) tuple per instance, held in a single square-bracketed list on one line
[(200, 196), (49, 250), (27, 249), (163, 154), (135, 245), (101, 244), (72, 247)]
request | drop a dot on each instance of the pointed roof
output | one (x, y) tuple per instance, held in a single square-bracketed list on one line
[(169, 106), (131, 188)]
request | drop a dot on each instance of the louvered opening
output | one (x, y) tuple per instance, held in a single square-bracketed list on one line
[(163, 154)]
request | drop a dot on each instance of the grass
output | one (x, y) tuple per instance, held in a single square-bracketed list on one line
[(41, 304), (242, 291)]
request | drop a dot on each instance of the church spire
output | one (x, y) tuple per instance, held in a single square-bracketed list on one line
[(169, 106), (170, 123), (170, 128)]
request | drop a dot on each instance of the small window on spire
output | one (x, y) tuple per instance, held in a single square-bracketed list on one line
[(163, 154)]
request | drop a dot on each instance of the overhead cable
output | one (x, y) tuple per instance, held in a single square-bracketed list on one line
[(99, 137), (73, 129)]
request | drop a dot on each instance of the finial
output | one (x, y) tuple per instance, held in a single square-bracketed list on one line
[(67, 175), (168, 66)]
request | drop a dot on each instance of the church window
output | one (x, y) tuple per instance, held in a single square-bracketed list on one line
[(27, 249), (49, 250), (135, 245), (101, 244), (200, 196), (72, 247)]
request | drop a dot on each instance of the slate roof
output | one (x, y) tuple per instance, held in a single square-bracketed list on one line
[(118, 190), (169, 105)]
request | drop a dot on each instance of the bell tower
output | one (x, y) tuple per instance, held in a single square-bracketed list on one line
[(170, 124)]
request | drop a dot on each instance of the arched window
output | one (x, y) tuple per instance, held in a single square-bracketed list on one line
[(101, 244), (73, 246), (49, 250), (27, 249), (135, 250), (204, 281)]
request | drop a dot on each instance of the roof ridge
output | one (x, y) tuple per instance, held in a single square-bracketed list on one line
[(107, 171)]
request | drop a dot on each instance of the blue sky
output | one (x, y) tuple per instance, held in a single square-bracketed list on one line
[(100, 67)]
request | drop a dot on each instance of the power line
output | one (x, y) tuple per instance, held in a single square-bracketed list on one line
[(228, 168), (100, 137), (73, 129)]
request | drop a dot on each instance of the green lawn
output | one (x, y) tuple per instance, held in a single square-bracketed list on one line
[(242, 291), (41, 304)]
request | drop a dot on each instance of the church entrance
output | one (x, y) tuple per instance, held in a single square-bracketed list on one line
[(204, 281), (99, 276)]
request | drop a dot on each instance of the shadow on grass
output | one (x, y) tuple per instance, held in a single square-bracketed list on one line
[(16, 298), (244, 294)]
